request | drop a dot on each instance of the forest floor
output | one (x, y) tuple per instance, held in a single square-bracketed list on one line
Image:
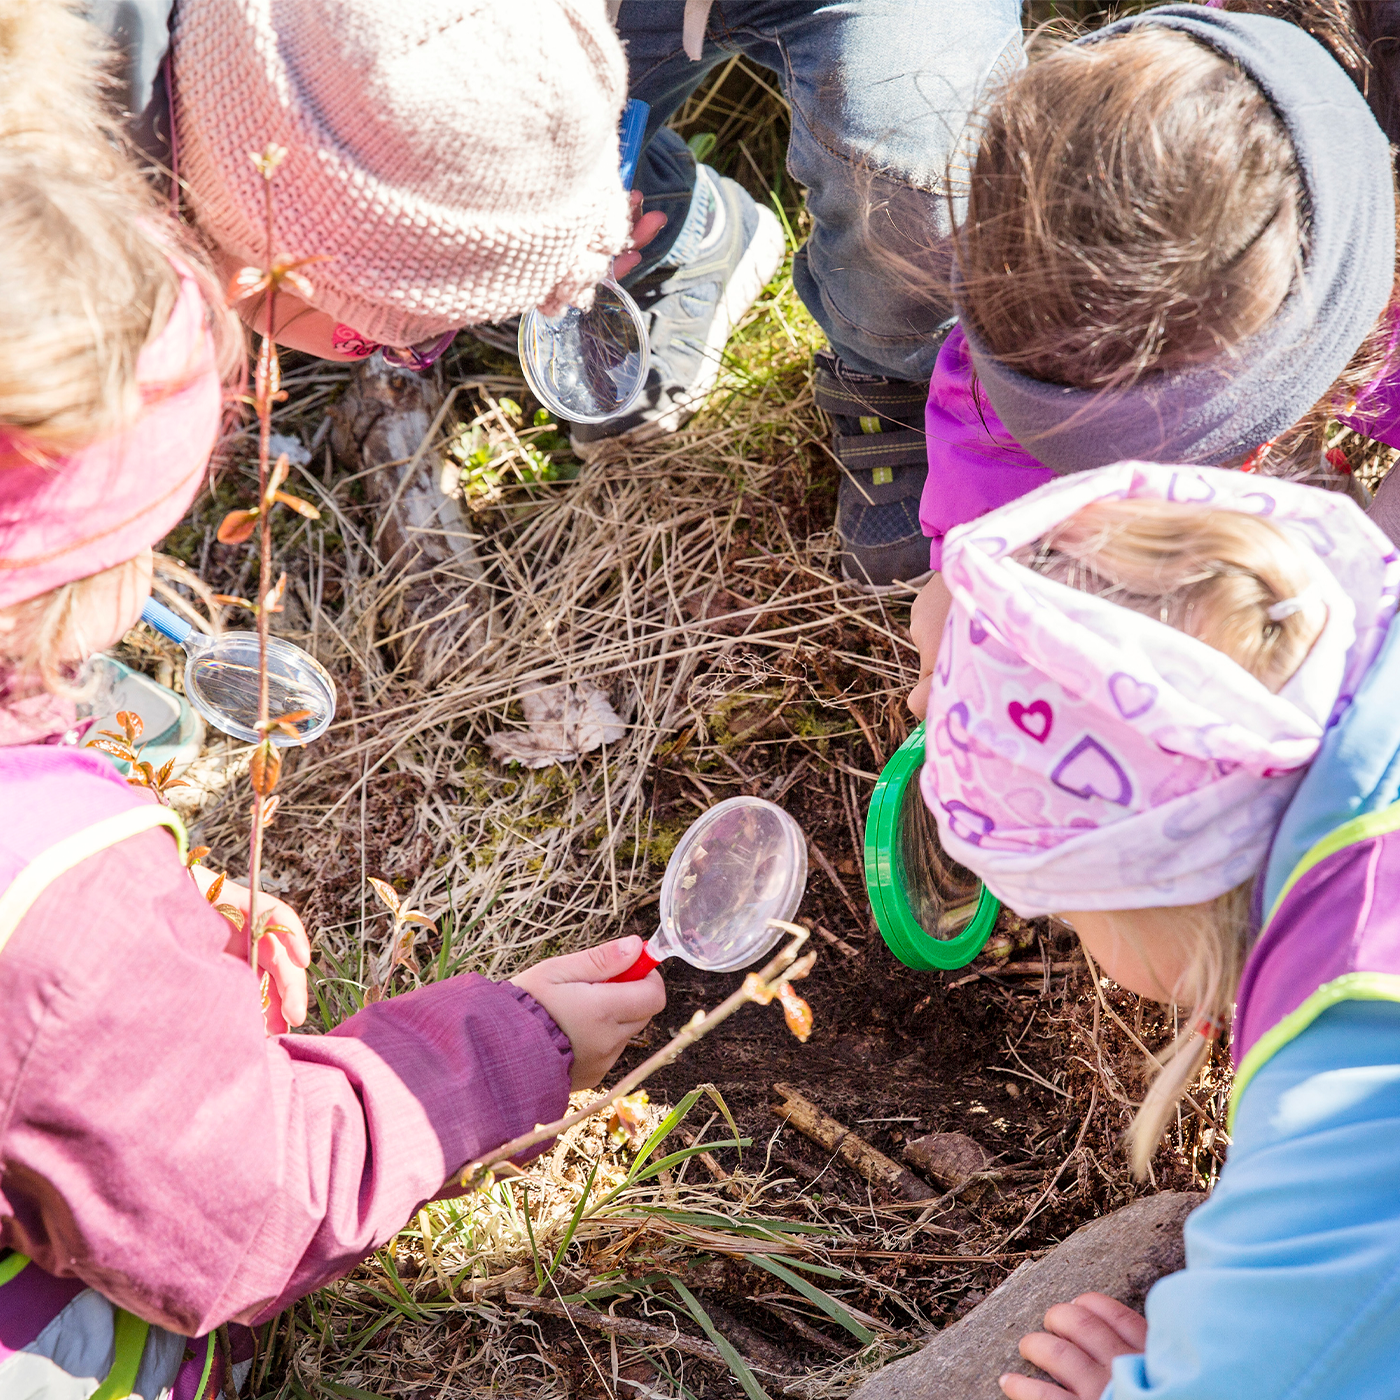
[(694, 581)]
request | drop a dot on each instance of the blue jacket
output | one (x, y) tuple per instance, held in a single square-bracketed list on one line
[(1291, 1289)]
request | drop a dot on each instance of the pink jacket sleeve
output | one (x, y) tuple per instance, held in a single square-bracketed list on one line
[(154, 1143), (974, 464)]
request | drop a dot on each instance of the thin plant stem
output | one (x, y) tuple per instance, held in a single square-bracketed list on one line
[(266, 386), (760, 987)]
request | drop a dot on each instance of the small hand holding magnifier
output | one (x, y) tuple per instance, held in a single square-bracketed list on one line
[(221, 680), (589, 366), (740, 865)]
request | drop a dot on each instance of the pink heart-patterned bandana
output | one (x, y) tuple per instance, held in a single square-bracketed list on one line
[(1084, 756)]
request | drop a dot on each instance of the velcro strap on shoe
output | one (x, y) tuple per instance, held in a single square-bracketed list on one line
[(894, 399), (862, 452)]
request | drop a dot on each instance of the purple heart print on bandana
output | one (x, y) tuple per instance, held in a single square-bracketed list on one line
[(957, 725), (1035, 719), (1089, 770), (1132, 697), (968, 823)]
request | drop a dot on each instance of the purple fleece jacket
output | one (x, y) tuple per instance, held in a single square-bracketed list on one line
[(156, 1144)]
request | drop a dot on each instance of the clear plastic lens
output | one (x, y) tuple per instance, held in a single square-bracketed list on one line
[(221, 682), (741, 864), (942, 894), (587, 366)]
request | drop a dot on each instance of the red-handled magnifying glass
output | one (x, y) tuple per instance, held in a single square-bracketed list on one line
[(739, 865)]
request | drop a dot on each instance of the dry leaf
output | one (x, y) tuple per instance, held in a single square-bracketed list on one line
[(387, 893), (237, 526), (629, 1119), (118, 748), (281, 470), (245, 283), (265, 767), (297, 504), (796, 1012), (565, 722)]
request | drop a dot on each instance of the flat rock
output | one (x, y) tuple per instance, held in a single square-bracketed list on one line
[(1122, 1255)]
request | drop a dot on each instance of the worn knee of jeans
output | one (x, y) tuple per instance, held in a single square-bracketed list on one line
[(881, 105)]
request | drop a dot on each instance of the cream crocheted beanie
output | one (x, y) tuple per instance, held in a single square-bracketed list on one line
[(454, 162)]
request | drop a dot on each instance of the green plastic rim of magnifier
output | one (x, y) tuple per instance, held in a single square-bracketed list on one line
[(884, 876)]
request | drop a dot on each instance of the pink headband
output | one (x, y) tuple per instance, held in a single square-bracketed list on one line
[(75, 515), (1084, 756)]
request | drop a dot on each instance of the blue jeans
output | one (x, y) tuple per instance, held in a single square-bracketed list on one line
[(880, 92)]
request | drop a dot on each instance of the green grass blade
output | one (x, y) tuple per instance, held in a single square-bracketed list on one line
[(662, 1130), (813, 1294), (810, 1267), (684, 1155), (350, 1392), (718, 1100), (733, 1360), (573, 1225), (534, 1248)]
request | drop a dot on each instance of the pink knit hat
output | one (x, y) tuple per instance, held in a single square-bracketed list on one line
[(66, 518), (455, 161)]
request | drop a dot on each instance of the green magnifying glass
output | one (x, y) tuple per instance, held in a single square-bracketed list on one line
[(931, 911)]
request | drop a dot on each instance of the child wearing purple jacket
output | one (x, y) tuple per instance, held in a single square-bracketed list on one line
[(166, 1166), (1178, 245)]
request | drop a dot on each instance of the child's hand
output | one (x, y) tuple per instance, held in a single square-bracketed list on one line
[(645, 227), (598, 1017), (926, 619), (1077, 1348), (285, 951)]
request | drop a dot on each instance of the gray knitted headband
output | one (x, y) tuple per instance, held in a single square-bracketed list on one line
[(1208, 414)]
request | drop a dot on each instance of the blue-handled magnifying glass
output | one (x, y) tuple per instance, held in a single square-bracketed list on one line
[(221, 680), (589, 366)]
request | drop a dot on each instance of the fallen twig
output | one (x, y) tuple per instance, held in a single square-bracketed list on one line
[(874, 1166)]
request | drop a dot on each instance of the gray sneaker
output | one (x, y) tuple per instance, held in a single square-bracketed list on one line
[(690, 313)]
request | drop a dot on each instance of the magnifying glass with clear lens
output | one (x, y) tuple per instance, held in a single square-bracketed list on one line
[(739, 865), (932, 912), (590, 366), (221, 680)]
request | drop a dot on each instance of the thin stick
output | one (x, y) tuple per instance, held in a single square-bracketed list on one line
[(785, 967)]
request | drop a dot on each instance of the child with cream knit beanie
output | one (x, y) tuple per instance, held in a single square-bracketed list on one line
[(449, 162)]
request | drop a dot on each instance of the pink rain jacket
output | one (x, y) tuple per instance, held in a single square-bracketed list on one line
[(155, 1145)]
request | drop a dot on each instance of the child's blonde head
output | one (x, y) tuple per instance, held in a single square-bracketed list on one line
[(87, 283), (85, 274), (1216, 575)]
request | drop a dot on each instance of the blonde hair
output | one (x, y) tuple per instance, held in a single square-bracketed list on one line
[(44, 649), (1214, 574), (85, 273)]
